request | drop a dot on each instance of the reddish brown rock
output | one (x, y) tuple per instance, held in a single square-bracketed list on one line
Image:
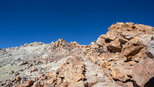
[(37, 84), (119, 74), (131, 49), (18, 85), (17, 79), (43, 77), (143, 72), (34, 69), (77, 84), (50, 81), (123, 57), (114, 46), (28, 83)]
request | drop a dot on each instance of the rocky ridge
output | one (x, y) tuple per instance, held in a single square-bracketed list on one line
[(123, 57)]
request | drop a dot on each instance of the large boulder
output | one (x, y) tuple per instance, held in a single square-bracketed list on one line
[(150, 48), (143, 72)]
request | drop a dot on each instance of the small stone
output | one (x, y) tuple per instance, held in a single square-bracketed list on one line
[(100, 41), (23, 63), (17, 79), (16, 73), (38, 84), (101, 79), (118, 74), (34, 69), (50, 74), (43, 77), (18, 85), (49, 81), (28, 83), (12, 71), (78, 84), (94, 45)]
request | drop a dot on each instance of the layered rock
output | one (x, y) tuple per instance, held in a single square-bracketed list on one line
[(123, 57)]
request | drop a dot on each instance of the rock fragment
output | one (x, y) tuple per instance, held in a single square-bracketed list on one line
[(143, 72), (150, 48), (28, 83)]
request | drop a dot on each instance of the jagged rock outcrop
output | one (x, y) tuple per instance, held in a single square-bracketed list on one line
[(150, 48), (123, 57)]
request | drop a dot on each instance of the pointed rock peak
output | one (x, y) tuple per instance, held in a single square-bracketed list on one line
[(120, 25), (59, 42), (129, 26), (74, 43)]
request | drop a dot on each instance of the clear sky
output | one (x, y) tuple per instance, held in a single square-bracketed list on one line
[(26, 21)]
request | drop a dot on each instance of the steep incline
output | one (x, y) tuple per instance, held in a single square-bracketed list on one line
[(123, 57)]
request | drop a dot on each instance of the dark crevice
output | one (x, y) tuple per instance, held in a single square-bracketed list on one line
[(85, 79), (128, 80), (150, 83), (84, 73), (113, 49), (99, 50), (107, 40), (127, 60), (116, 79), (129, 76), (134, 52), (133, 26), (134, 83)]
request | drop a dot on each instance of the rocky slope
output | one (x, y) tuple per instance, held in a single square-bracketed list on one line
[(123, 57)]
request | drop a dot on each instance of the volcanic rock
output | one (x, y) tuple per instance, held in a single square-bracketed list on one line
[(28, 83), (123, 57), (150, 48)]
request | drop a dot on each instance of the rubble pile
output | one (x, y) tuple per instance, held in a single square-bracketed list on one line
[(123, 57)]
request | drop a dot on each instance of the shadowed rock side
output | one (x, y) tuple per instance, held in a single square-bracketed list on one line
[(123, 57)]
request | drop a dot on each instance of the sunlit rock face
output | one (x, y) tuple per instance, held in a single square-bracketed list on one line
[(123, 57)]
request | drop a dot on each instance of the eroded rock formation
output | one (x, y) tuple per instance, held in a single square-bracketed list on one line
[(123, 57)]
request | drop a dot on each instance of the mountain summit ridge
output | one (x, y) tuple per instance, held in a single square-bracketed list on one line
[(123, 57)]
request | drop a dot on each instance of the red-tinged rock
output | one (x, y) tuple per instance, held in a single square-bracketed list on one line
[(43, 77), (77, 84), (143, 72), (17, 79), (50, 81), (18, 85), (114, 46), (119, 75), (37, 84), (45, 85), (28, 83), (34, 69), (123, 57), (50, 74), (131, 49)]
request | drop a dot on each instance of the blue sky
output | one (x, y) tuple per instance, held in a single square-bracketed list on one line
[(26, 21)]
